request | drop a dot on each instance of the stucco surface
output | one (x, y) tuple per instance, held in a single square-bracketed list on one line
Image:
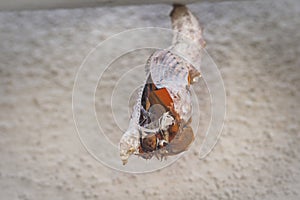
[(256, 46)]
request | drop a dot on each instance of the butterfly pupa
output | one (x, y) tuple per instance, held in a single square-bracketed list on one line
[(162, 109)]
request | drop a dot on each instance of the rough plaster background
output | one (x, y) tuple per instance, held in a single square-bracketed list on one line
[(256, 46)]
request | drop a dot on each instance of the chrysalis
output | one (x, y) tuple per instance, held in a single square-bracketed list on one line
[(160, 121)]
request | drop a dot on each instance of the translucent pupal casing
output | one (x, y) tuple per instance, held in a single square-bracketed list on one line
[(170, 71), (167, 84)]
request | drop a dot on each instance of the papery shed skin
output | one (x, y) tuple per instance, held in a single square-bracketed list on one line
[(169, 76)]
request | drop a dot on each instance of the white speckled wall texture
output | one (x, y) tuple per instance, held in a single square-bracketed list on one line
[(256, 46)]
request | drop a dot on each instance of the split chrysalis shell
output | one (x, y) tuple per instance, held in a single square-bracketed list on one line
[(166, 92)]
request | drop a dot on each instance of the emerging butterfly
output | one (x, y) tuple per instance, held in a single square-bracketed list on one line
[(160, 121)]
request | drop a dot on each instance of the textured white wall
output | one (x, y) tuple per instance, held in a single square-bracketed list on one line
[(256, 46), (51, 4)]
